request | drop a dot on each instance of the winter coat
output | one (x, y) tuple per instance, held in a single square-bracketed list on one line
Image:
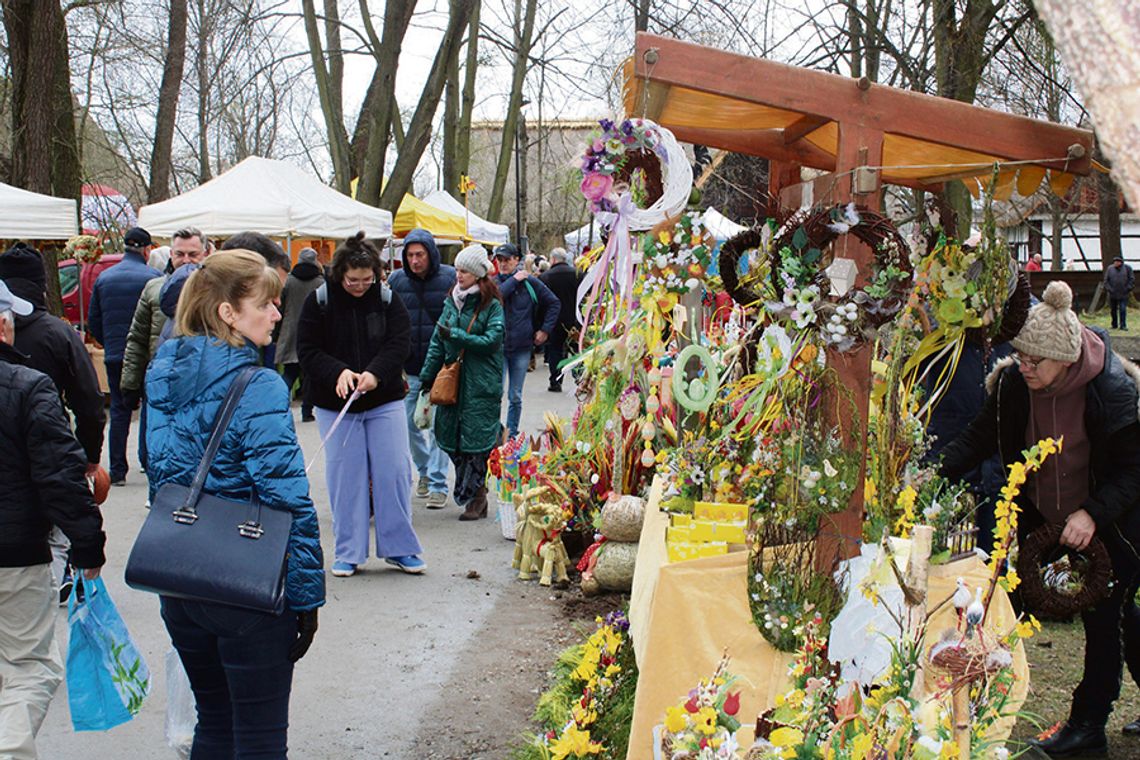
[(360, 334), (423, 296), (42, 480), (303, 280), (142, 338), (519, 311), (1118, 281), (1111, 422), (185, 386), (562, 279), (53, 347), (472, 425), (113, 301)]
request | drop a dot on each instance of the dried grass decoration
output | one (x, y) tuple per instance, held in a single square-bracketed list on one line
[(817, 291), (1053, 590)]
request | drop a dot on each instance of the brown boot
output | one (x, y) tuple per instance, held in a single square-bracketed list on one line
[(477, 507)]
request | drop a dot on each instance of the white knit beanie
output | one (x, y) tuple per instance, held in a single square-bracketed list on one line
[(1052, 330), (473, 259)]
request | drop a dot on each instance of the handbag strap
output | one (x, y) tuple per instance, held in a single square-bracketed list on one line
[(188, 513), (470, 324)]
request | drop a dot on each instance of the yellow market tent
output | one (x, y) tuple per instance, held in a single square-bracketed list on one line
[(414, 213)]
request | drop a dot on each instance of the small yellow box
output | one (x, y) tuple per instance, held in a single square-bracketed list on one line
[(685, 550), (709, 530), (720, 512), (677, 533), (682, 520)]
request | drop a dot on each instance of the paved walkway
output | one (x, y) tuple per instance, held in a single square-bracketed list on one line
[(387, 641)]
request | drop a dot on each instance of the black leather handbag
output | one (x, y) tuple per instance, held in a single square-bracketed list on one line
[(206, 548)]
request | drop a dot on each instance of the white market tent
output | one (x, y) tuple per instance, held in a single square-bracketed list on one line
[(272, 197), (720, 225), (478, 228), (582, 237), (25, 215)]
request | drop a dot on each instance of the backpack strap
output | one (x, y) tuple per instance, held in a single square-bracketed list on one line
[(323, 295)]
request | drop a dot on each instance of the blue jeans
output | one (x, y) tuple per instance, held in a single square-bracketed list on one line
[(239, 670), (368, 470), (120, 427), (514, 375), (430, 460)]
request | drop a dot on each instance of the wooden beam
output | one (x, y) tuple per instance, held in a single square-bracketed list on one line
[(923, 117), (803, 127)]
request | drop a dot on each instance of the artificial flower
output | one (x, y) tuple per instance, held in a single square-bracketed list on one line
[(596, 186)]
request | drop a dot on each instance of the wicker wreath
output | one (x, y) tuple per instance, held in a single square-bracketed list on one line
[(731, 252), (650, 165), (822, 226), (1037, 547)]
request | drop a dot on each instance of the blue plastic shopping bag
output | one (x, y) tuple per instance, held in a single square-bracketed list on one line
[(107, 679)]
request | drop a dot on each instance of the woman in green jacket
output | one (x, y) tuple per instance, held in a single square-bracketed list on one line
[(471, 323)]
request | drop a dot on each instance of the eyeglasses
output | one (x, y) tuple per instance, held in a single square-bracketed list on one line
[(354, 283), (1028, 361)]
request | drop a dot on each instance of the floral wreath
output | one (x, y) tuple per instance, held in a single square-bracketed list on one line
[(677, 260), (795, 257), (642, 157)]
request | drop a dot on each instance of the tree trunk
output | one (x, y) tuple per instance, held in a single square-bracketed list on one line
[(451, 125), (419, 130), (524, 31), (330, 102), (397, 16), (45, 150), (1108, 213), (160, 163), (463, 133), (335, 53), (202, 66)]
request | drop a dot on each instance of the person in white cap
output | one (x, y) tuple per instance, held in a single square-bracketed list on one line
[(1065, 381), (42, 483)]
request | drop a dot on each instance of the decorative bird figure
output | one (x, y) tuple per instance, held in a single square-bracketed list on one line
[(974, 614), (961, 600), (848, 219)]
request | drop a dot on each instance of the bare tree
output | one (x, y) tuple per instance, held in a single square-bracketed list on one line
[(168, 91), (329, 82), (524, 37)]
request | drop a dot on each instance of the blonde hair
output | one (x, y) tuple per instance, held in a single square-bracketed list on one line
[(224, 277)]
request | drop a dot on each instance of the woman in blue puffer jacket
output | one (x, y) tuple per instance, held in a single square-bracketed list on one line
[(240, 662)]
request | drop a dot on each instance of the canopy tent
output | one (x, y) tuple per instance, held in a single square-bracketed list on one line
[(25, 215), (105, 208), (414, 213), (478, 228), (272, 197), (586, 235), (720, 225)]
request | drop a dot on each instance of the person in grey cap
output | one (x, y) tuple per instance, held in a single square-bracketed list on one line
[(1119, 281), (1066, 382), (306, 277), (113, 301), (42, 484)]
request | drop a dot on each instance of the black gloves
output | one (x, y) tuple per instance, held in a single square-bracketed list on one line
[(306, 629), (132, 399), (444, 330)]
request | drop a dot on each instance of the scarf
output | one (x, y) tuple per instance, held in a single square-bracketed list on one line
[(459, 295), (1061, 486)]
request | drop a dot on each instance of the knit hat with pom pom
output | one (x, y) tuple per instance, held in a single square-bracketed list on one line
[(473, 259), (1052, 330)]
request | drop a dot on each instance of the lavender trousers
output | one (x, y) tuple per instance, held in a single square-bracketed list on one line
[(368, 469)]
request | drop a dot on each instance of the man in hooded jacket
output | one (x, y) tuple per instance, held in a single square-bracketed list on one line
[(423, 284), (306, 277)]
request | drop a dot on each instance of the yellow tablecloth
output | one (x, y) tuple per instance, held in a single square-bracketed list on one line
[(685, 615)]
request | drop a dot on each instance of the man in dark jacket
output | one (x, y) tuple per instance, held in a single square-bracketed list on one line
[(562, 279), (1066, 382), (42, 484), (530, 313), (1119, 281), (306, 277), (113, 301), (423, 284), (54, 348)]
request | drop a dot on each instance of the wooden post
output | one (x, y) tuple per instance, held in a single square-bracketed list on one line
[(917, 581)]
